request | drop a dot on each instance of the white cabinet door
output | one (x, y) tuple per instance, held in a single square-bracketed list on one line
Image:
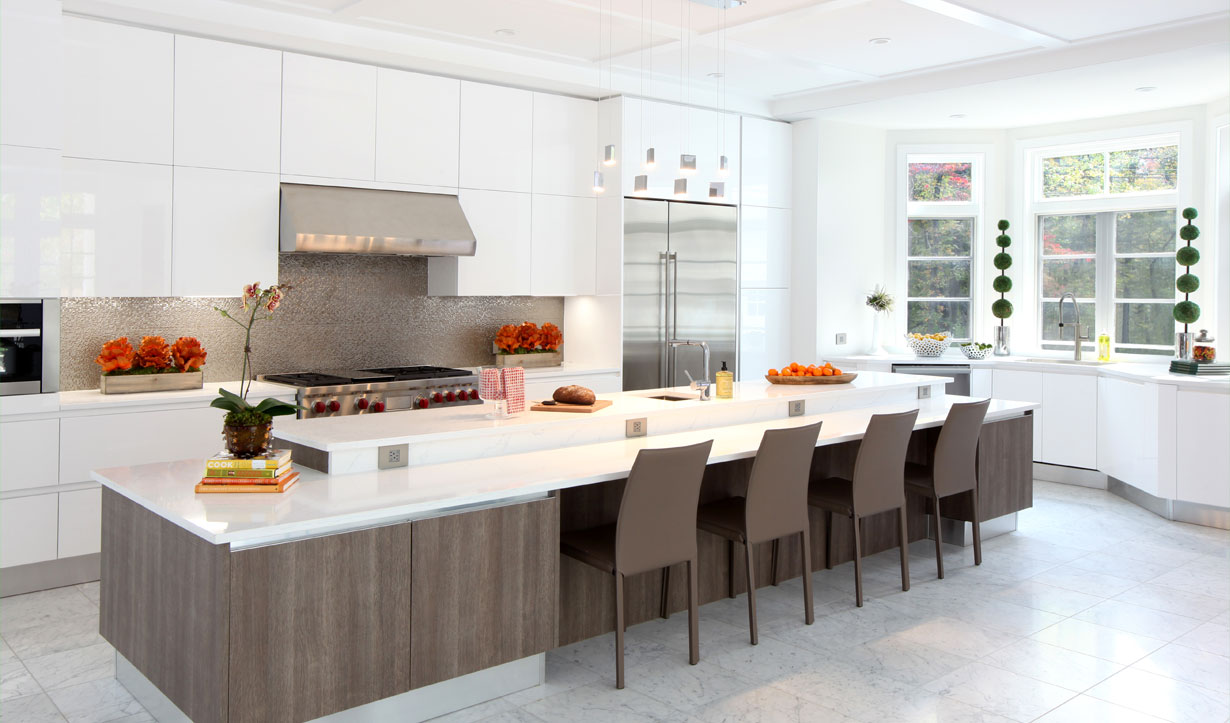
[(29, 222), (764, 328), (562, 255), (228, 105), (31, 76), (1202, 430), (80, 522), (226, 231), (980, 383), (118, 92), (1129, 424), (765, 248), (116, 440), (28, 529), (500, 265), (1070, 432), (566, 150), (497, 136), (417, 127), (1020, 386), (328, 117), (29, 454), (766, 163), (116, 229)]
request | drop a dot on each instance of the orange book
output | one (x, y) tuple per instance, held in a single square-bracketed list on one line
[(228, 480), (243, 486)]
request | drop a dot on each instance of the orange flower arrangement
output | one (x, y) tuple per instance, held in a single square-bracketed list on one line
[(527, 338), (551, 337), (527, 335), (154, 352), (188, 354), (506, 339), (116, 355)]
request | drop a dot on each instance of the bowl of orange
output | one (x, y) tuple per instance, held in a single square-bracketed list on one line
[(795, 373)]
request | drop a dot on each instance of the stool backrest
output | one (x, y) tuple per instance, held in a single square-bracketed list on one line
[(956, 453), (879, 469), (777, 488), (657, 516)]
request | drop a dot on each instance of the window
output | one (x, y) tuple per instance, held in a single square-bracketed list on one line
[(943, 217)]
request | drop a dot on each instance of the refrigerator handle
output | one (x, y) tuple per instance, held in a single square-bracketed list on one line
[(663, 305), (672, 257)]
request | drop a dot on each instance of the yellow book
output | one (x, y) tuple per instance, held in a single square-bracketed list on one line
[(275, 459)]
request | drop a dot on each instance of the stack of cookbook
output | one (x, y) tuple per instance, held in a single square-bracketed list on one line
[(271, 472)]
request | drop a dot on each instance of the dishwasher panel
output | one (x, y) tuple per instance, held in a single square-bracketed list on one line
[(958, 373)]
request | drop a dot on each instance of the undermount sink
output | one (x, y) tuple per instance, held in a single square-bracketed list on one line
[(671, 398), (1082, 362)]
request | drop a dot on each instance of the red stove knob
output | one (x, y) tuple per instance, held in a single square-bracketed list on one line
[(423, 402), (378, 407), (473, 394), (362, 403), (438, 398), (334, 405), (319, 407), (451, 396)]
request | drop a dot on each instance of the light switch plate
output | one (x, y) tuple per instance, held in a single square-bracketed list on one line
[(393, 455), (638, 427), (841, 338), (797, 407), (924, 392)]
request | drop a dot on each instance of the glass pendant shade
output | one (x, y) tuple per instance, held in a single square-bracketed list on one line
[(599, 183), (608, 155), (681, 186), (717, 189), (650, 161), (687, 163), (640, 184), (723, 165)]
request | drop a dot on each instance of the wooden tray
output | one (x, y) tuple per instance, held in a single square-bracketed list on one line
[(836, 379), (575, 408)]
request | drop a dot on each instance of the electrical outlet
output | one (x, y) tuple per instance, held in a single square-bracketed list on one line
[(841, 338), (393, 455), (924, 392), (796, 408), (638, 427)]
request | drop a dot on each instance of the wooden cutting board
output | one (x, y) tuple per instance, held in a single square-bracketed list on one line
[(575, 408)]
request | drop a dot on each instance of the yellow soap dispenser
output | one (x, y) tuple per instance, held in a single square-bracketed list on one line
[(1103, 347), (725, 382)]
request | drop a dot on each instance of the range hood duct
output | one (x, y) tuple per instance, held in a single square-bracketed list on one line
[(336, 220)]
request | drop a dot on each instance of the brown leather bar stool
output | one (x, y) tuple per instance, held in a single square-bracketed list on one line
[(656, 528), (953, 470), (775, 506), (878, 486)]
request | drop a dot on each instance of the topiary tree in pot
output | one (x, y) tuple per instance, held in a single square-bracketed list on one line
[(1002, 308), (1187, 311)]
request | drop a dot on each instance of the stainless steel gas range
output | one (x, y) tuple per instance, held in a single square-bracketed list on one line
[(337, 393)]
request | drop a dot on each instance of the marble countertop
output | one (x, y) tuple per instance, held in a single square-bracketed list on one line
[(322, 504), (92, 401)]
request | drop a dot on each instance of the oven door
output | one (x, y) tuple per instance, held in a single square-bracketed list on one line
[(21, 347)]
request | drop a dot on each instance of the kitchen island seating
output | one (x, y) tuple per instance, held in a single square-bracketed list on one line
[(953, 470), (656, 528), (878, 486), (775, 506)]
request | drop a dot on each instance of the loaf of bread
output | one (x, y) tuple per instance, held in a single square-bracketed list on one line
[(573, 394)]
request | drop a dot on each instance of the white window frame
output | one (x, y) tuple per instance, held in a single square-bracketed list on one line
[(977, 157)]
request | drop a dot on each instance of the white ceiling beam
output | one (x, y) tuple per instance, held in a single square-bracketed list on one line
[(988, 22)]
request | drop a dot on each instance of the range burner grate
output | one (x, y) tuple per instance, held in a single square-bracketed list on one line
[(307, 379), (418, 372)]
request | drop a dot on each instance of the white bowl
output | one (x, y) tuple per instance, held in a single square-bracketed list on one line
[(927, 347), (973, 352)]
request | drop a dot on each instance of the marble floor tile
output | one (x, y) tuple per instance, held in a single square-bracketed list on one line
[(1048, 598), (683, 686), (1087, 709), (770, 660), (90, 590), (561, 675), (600, 702), (844, 686), (31, 709), (70, 667), (923, 706), (598, 654), (1000, 691), (1126, 568), (956, 637), (1086, 581), (1196, 581), (1117, 646), (514, 715), (1167, 599), (16, 681), (1157, 554), (1162, 697), (1140, 620), (55, 636), (1210, 637), (1207, 670), (1053, 664), (1007, 617), (6, 653), (902, 660), (481, 712), (98, 701), (766, 704), (39, 608)]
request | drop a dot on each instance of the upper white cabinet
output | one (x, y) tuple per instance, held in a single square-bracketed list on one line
[(29, 222), (417, 127), (566, 150), (225, 231), (1021, 386), (765, 248), (496, 138), (1070, 430), (673, 130), (562, 253), (501, 263), (31, 78), (1203, 472), (766, 163), (328, 117), (118, 91), (116, 220), (228, 105)]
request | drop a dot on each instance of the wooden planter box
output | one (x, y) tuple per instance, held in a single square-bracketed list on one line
[(130, 383), (532, 360)]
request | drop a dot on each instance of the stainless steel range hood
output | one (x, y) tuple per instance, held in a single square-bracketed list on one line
[(336, 220)]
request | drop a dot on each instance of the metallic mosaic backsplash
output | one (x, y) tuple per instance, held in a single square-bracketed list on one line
[(344, 311)]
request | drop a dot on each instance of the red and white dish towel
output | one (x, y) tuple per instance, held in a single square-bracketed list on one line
[(506, 384), (490, 385)]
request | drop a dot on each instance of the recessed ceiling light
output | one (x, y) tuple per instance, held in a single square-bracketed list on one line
[(957, 115), (1146, 89), (716, 74), (880, 41), (506, 32)]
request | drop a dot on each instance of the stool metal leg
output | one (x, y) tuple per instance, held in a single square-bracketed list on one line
[(939, 550), (905, 549), (666, 589), (751, 592), (619, 630), (809, 612), (858, 560), (773, 561), (693, 613)]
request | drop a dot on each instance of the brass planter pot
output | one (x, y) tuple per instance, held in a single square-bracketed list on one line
[(248, 441)]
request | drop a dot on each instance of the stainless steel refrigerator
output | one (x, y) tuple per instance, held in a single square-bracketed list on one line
[(680, 266)]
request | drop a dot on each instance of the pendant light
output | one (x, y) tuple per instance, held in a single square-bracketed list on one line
[(640, 184), (599, 182), (681, 186), (723, 161), (651, 160), (687, 162), (608, 152), (717, 189)]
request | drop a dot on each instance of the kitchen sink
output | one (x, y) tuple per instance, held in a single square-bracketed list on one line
[(1082, 362), (671, 398)]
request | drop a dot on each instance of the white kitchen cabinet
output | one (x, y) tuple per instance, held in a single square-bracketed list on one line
[(226, 231), (566, 145), (562, 246), (501, 263), (28, 529), (29, 222), (981, 383), (118, 92), (764, 326), (111, 440), (417, 128), (1129, 430), (80, 525), (31, 75), (29, 454), (497, 136), (765, 248), (1070, 430), (228, 105), (328, 117), (766, 162), (1202, 429), (1022, 386), (116, 228)]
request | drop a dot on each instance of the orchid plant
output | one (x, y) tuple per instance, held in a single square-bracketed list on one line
[(257, 304)]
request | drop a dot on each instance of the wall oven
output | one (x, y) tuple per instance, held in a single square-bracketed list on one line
[(29, 346)]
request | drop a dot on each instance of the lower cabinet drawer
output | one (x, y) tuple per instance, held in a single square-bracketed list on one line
[(28, 529), (80, 522)]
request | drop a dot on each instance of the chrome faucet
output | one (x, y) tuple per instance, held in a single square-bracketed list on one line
[(1076, 325), (704, 347)]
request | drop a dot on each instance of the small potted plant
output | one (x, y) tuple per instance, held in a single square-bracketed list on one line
[(1002, 308), (1187, 311), (527, 345), (154, 366), (248, 428), (882, 303)]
